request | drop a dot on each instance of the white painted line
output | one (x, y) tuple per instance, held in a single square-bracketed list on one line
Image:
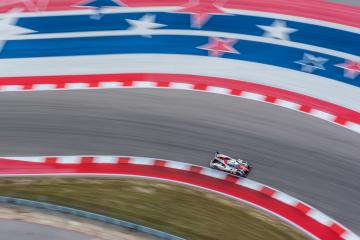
[(43, 87), (142, 161), (285, 198), (287, 104), (178, 165), (186, 86), (353, 126), (249, 184), (25, 159), (253, 96), (11, 88), (105, 159), (348, 235), (322, 115), (110, 84), (213, 173), (218, 90), (76, 85), (320, 217), (69, 160), (143, 84)]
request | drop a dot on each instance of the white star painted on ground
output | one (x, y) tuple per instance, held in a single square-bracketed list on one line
[(310, 63), (144, 25), (9, 29), (277, 30)]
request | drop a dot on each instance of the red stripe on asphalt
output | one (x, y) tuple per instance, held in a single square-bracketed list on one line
[(267, 191), (302, 207), (123, 160), (51, 160), (87, 160), (337, 228), (305, 109), (159, 163)]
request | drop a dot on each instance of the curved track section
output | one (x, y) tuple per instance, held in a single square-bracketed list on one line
[(295, 212), (308, 158), (315, 107)]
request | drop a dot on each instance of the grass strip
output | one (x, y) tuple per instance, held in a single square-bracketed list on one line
[(180, 210)]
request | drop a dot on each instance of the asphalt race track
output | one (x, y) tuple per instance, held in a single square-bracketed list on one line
[(311, 159), (19, 230), (306, 157)]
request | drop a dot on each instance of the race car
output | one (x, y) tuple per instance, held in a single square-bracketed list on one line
[(236, 167)]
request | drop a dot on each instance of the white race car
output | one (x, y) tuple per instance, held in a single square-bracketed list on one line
[(236, 167)]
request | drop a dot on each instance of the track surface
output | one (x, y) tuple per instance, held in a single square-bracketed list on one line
[(23, 231), (311, 159)]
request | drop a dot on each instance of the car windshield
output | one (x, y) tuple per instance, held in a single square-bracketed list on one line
[(233, 163)]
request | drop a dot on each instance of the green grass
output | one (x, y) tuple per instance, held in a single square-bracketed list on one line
[(183, 211)]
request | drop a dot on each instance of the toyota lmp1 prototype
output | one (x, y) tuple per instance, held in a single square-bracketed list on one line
[(236, 167)]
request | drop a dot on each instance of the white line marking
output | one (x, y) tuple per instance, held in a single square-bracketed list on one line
[(186, 86), (249, 184), (218, 90), (142, 160), (178, 165), (69, 160), (348, 235), (353, 126), (322, 115), (110, 85), (43, 87), (144, 84), (287, 104), (253, 96), (285, 198), (11, 88), (105, 159), (320, 217), (76, 85), (26, 159), (213, 173)]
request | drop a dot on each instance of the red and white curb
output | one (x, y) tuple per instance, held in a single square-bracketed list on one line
[(301, 215), (332, 113)]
